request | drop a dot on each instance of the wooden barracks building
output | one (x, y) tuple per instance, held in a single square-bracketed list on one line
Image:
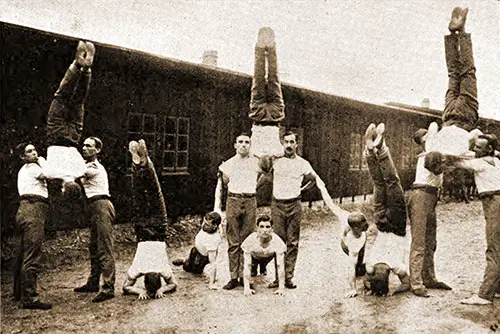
[(189, 114)]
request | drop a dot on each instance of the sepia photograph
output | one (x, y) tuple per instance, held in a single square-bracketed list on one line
[(223, 166)]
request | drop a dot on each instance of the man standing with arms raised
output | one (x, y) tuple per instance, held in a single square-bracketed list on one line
[(101, 215)]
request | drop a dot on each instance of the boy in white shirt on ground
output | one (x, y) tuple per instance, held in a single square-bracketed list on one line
[(205, 249)]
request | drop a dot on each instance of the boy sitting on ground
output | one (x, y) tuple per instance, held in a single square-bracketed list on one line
[(205, 248)]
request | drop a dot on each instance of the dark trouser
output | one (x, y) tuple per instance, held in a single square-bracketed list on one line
[(196, 262), (491, 281), (286, 216), (150, 213), (360, 265), (30, 221), (261, 263), (240, 216), (422, 213), (461, 97), (66, 112), (102, 260), (388, 196), (266, 101)]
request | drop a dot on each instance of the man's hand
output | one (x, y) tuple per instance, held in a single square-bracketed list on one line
[(351, 294), (143, 295), (248, 292), (279, 292)]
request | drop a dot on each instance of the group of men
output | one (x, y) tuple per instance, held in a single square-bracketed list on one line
[(253, 239)]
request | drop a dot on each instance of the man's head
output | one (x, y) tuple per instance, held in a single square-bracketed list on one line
[(92, 146), (357, 222), (27, 152), (71, 190), (434, 162), (420, 136), (379, 279), (264, 227), (289, 142), (242, 145), (152, 282), (485, 145), (211, 222)]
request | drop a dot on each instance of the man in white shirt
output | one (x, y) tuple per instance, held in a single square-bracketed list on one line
[(65, 122), (422, 214), (101, 215), (30, 221), (286, 208), (486, 169), (265, 245), (150, 260), (239, 174), (267, 108), (205, 249)]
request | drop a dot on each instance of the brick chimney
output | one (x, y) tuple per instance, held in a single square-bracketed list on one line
[(210, 58)]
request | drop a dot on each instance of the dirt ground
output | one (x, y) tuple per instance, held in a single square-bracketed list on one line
[(316, 306)]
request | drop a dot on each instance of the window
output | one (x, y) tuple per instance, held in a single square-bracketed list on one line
[(143, 126), (176, 144), (408, 149)]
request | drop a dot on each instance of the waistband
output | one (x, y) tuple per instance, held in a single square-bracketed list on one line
[(491, 193), (267, 123), (242, 195), (98, 197), (286, 201), (34, 198), (426, 188)]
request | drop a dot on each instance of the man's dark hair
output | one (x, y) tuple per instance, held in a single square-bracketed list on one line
[(246, 134), (72, 190), (492, 141), (152, 282), (19, 150), (418, 135), (98, 142), (357, 219), (214, 217), (379, 279), (290, 133), (264, 218)]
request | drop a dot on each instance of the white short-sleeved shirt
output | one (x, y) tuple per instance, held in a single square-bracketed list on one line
[(205, 242), (390, 249), (486, 173), (425, 177), (95, 181), (354, 244), (288, 176), (28, 182), (242, 174), (150, 257), (252, 245), (64, 163), (450, 139)]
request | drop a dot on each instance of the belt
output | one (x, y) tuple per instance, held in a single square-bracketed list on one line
[(267, 123), (491, 193), (286, 201), (98, 197), (242, 195), (426, 188), (34, 198)]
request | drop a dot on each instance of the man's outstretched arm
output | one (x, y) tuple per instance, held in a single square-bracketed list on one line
[(129, 288), (171, 285), (212, 272)]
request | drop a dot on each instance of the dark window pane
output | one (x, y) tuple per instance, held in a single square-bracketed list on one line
[(182, 143), (149, 123), (170, 125), (183, 126), (134, 123), (168, 160), (150, 141), (170, 143), (182, 160)]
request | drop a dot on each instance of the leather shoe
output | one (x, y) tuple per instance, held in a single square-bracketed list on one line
[(420, 292), (437, 285), (273, 285), (241, 283), (102, 296), (233, 283), (289, 284), (37, 305), (87, 288)]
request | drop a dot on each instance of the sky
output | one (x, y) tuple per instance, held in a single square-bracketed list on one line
[(373, 51)]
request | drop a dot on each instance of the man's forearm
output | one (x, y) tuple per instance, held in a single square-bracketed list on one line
[(212, 272), (218, 196), (281, 271), (247, 268)]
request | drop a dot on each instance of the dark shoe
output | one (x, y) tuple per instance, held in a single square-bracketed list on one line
[(263, 272), (273, 285), (81, 51), (89, 57), (37, 305), (379, 140), (437, 285), (102, 296), (87, 288), (458, 17), (420, 292), (370, 135), (289, 284), (242, 283), (233, 283), (178, 262)]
